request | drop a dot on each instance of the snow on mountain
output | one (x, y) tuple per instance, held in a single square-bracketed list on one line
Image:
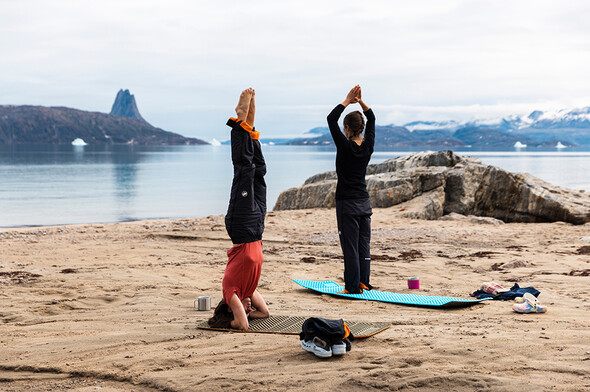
[(557, 119), (576, 118), (433, 125)]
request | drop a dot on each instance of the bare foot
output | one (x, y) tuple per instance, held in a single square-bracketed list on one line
[(243, 104), (252, 109)]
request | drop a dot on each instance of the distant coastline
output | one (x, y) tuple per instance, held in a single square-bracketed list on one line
[(62, 125)]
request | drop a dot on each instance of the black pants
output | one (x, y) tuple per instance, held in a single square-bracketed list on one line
[(244, 220), (354, 230)]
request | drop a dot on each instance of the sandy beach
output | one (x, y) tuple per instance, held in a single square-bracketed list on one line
[(110, 307)]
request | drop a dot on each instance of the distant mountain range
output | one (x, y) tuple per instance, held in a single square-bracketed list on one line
[(538, 129), (62, 125), (125, 125)]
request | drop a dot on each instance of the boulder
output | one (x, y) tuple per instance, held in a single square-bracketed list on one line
[(429, 185), (428, 206), (315, 195)]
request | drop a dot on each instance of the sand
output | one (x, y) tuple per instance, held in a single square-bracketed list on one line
[(110, 307)]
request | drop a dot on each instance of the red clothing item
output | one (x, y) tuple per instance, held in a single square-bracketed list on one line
[(243, 269)]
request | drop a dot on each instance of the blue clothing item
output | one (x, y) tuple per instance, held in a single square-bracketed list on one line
[(515, 291)]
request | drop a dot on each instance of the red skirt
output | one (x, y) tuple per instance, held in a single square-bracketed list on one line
[(243, 269)]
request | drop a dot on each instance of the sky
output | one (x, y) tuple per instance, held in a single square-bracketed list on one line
[(187, 61)]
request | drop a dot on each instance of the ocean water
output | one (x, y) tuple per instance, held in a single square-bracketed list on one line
[(47, 185)]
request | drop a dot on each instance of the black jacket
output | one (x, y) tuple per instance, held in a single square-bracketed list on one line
[(352, 159), (244, 220)]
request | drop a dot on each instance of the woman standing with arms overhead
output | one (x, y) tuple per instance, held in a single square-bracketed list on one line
[(353, 208)]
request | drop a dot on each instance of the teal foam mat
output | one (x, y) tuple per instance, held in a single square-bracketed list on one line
[(332, 288)]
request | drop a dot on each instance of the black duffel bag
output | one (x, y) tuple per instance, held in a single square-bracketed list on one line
[(328, 332)]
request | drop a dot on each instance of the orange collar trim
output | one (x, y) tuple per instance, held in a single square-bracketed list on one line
[(247, 127)]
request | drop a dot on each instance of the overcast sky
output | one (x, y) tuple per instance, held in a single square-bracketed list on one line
[(187, 61)]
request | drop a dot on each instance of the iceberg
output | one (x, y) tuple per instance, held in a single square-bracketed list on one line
[(215, 142), (79, 142), (519, 145), (560, 145)]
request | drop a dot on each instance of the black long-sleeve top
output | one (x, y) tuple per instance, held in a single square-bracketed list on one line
[(352, 159)]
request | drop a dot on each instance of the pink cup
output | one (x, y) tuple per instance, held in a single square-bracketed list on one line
[(413, 283)]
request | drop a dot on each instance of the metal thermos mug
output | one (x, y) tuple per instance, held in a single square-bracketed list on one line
[(204, 303)]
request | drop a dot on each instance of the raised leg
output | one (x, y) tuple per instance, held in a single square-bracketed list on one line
[(252, 108), (244, 104), (259, 182), (247, 207)]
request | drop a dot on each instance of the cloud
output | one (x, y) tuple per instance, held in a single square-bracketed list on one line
[(186, 61)]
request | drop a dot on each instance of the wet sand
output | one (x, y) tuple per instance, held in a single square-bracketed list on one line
[(110, 307)]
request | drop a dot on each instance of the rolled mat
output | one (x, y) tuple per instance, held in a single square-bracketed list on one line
[(332, 288), (291, 325)]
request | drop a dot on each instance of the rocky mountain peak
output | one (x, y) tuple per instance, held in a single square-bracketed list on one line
[(535, 115), (125, 105)]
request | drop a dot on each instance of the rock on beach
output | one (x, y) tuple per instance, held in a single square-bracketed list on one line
[(430, 185)]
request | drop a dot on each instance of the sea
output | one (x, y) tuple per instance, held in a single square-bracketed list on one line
[(63, 184)]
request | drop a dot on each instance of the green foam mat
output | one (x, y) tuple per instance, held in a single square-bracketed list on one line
[(291, 325)]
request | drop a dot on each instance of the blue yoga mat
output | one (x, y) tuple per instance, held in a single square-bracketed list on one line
[(329, 287)]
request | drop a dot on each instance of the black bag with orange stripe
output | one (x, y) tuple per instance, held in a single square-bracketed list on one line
[(329, 331)]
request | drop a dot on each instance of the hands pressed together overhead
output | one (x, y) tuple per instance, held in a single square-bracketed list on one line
[(355, 96)]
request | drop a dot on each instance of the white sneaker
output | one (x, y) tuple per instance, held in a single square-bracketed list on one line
[(311, 347), (339, 348)]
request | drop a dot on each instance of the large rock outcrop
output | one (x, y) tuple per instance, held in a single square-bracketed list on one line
[(428, 185), (125, 105)]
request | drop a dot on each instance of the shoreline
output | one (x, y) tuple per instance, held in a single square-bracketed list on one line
[(103, 223), (148, 220), (112, 306)]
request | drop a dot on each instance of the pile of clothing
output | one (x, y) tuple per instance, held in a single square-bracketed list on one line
[(525, 297)]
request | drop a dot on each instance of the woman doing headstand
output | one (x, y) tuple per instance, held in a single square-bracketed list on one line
[(244, 222), (353, 208)]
